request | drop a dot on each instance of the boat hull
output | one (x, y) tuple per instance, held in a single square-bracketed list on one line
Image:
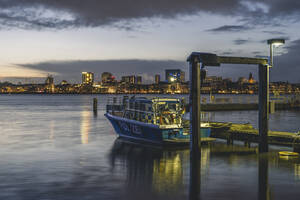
[(136, 130), (151, 133)]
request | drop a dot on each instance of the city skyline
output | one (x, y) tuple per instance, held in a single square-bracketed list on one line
[(67, 37), (98, 78), (174, 83)]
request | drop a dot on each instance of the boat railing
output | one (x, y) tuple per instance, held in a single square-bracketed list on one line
[(206, 116), (114, 105), (141, 111), (144, 111), (153, 117)]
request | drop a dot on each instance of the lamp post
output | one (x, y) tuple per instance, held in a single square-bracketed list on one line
[(272, 43)]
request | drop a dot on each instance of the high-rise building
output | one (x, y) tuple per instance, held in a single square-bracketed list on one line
[(49, 80), (157, 79), (107, 77), (175, 75), (128, 79), (87, 78)]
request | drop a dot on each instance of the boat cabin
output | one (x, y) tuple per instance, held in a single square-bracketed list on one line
[(158, 111)]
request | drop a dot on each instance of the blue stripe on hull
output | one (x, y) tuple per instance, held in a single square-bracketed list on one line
[(136, 130)]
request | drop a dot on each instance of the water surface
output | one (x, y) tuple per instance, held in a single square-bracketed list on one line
[(53, 147)]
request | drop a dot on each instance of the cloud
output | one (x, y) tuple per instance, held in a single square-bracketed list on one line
[(284, 8), (41, 14), (229, 28), (286, 66), (92, 13), (240, 41), (71, 70), (256, 52), (274, 32)]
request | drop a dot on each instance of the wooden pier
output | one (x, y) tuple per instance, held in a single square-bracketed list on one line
[(247, 134), (197, 62)]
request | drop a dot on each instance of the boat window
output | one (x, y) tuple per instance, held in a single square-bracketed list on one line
[(167, 107), (131, 115), (131, 105), (172, 106), (143, 107), (127, 114), (150, 109)]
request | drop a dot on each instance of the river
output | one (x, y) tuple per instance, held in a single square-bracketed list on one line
[(54, 147)]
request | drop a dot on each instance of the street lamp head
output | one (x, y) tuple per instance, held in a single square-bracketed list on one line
[(276, 42)]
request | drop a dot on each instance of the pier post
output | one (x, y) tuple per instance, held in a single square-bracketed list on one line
[(195, 180), (195, 109), (263, 182), (263, 107), (95, 105), (195, 134)]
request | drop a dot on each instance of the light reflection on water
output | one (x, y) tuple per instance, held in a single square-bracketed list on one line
[(51, 127), (52, 147), (297, 171), (236, 172), (85, 126)]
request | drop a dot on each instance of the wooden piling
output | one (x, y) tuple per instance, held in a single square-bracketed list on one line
[(195, 121), (95, 105), (195, 178), (263, 113), (263, 180), (195, 109)]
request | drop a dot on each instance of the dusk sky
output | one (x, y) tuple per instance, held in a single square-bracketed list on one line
[(65, 37)]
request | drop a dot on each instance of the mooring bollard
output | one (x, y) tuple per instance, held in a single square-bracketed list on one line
[(95, 105)]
